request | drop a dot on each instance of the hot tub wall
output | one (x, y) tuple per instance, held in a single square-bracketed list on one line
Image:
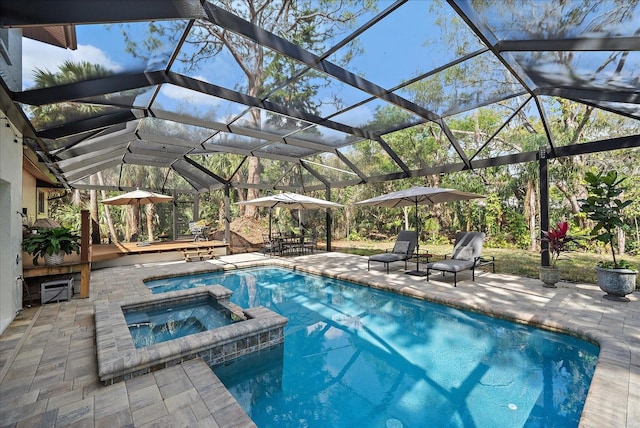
[(118, 358)]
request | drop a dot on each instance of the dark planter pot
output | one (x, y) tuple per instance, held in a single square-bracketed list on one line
[(617, 283), (549, 276)]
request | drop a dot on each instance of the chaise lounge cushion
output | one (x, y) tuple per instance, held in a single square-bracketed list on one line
[(466, 254), (401, 247), (451, 265), (462, 253), (387, 257), (402, 250)]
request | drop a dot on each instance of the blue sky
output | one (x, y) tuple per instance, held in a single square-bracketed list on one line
[(385, 62), (402, 46)]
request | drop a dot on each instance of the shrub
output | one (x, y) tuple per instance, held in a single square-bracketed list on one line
[(49, 241)]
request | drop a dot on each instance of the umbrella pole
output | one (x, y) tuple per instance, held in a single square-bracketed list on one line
[(140, 221), (417, 272), (144, 243)]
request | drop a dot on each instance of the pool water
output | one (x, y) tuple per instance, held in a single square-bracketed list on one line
[(359, 357), (160, 324)]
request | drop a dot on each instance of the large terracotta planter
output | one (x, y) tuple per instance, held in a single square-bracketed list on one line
[(617, 283), (549, 276)]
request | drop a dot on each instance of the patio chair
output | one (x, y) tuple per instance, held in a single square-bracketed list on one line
[(402, 250), (199, 230), (467, 252), (270, 245), (310, 244)]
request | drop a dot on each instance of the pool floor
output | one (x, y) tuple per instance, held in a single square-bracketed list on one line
[(355, 356)]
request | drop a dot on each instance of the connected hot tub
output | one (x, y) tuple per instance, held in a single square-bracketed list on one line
[(154, 323), (139, 336)]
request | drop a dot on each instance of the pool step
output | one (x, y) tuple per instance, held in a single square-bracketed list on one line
[(198, 254), (138, 319)]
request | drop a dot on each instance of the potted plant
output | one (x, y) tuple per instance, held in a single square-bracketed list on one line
[(51, 244), (558, 241), (604, 206)]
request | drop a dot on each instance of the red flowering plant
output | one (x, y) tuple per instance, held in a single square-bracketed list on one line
[(559, 241)]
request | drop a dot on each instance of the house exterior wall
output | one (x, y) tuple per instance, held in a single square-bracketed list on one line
[(10, 187), (29, 196), (10, 224)]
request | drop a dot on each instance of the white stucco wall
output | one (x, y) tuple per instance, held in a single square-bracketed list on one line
[(10, 189), (10, 223)]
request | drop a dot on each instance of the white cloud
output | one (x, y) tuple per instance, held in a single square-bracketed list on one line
[(47, 57), (186, 95), (204, 79)]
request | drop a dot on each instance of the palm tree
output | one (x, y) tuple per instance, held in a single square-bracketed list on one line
[(49, 115)]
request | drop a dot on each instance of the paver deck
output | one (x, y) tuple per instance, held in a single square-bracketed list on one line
[(49, 376)]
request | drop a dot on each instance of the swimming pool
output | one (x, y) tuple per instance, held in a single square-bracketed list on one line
[(355, 356)]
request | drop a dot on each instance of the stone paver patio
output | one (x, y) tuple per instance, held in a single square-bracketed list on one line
[(49, 375)]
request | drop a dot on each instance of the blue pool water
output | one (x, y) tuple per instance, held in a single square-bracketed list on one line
[(358, 357), (160, 324)]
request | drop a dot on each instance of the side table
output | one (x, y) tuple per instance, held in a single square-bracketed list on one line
[(420, 257)]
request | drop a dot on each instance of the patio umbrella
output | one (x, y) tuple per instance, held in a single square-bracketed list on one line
[(137, 198), (418, 195), (291, 201)]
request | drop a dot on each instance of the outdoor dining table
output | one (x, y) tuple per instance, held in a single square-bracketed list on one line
[(292, 244)]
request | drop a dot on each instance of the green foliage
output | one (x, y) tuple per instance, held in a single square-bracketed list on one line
[(633, 247), (497, 240), (517, 228), (431, 228), (354, 236), (604, 206), (50, 241), (621, 264), (64, 211), (493, 215), (437, 239)]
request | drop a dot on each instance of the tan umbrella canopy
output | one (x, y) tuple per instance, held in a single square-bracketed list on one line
[(137, 198), (292, 201), (418, 195)]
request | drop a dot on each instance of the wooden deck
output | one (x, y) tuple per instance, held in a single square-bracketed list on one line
[(112, 251), (109, 255)]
